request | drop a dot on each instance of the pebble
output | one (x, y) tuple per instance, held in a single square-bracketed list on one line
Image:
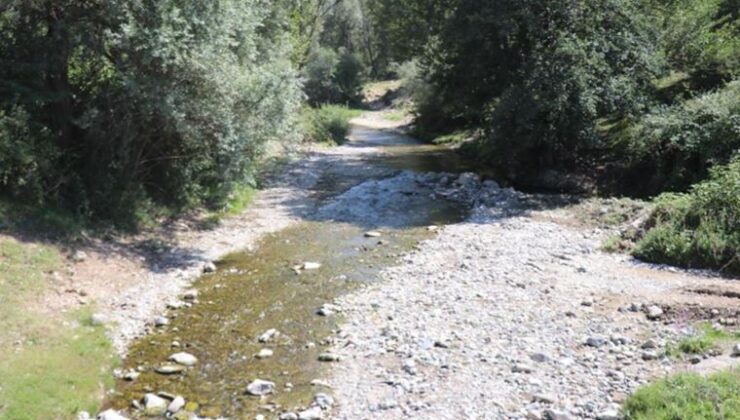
[(185, 359), (260, 387), (209, 267), (176, 405), (313, 413), (161, 321), (154, 405), (190, 295), (79, 256), (329, 357), (649, 355), (288, 416), (373, 234), (323, 400), (654, 313), (311, 266), (268, 335), (169, 369), (264, 354), (736, 350), (596, 341), (111, 415), (551, 414), (522, 368)]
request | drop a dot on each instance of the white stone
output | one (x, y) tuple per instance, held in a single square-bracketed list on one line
[(176, 405), (313, 413), (260, 387), (185, 359), (111, 415), (268, 335), (264, 354)]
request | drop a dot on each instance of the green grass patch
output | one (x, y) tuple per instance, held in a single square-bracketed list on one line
[(453, 138), (51, 367), (707, 337), (688, 397)]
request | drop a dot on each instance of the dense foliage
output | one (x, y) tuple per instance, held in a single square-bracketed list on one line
[(700, 228), (108, 106)]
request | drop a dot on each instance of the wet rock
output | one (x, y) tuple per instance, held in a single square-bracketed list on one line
[(176, 405), (313, 413), (264, 354), (154, 405), (209, 267), (654, 313), (268, 335), (329, 357), (170, 369), (111, 415), (288, 416), (185, 359), (260, 387), (323, 400)]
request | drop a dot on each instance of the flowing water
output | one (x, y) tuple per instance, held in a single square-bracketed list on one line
[(253, 292)]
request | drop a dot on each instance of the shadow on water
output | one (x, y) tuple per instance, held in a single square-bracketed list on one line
[(260, 290)]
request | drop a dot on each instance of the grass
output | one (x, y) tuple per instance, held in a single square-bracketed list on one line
[(707, 338), (688, 397), (51, 366)]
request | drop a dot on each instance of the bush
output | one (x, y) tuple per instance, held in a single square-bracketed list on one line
[(329, 123), (699, 229), (688, 396), (673, 146)]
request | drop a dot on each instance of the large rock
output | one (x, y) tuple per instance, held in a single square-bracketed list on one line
[(260, 387)]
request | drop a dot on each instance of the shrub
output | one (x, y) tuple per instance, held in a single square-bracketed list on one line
[(673, 146), (146, 104), (329, 123), (333, 77), (27, 156), (700, 228), (688, 396)]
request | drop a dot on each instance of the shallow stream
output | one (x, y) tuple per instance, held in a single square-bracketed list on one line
[(253, 292)]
